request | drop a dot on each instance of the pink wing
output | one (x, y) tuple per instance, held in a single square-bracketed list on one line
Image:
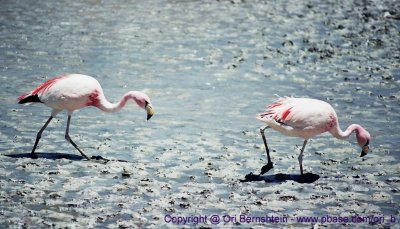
[(302, 114), (286, 112), (42, 88), (277, 111)]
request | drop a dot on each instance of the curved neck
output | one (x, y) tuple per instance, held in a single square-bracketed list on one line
[(338, 133), (106, 106)]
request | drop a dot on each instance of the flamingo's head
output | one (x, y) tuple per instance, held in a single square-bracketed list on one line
[(363, 139), (144, 102), (149, 110)]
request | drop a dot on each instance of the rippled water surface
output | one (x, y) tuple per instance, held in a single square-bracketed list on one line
[(209, 67)]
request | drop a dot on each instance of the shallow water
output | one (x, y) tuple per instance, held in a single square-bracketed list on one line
[(209, 67)]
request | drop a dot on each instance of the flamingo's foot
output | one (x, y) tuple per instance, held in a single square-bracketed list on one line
[(250, 177), (100, 159), (266, 168)]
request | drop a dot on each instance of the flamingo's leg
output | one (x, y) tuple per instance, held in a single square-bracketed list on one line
[(68, 138), (39, 134), (301, 156), (269, 165)]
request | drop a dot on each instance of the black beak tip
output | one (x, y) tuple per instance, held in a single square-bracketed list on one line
[(149, 116), (364, 151)]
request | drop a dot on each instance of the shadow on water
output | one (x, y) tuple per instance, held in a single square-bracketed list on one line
[(281, 177), (51, 156), (56, 156)]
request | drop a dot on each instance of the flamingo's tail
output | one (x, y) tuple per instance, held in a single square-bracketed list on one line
[(264, 116), (28, 98)]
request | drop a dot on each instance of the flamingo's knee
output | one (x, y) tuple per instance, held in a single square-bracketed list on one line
[(39, 135), (300, 158)]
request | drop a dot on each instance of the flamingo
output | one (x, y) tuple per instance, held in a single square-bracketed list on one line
[(306, 118), (75, 91)]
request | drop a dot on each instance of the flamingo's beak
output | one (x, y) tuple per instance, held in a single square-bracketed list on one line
[(149, 110), (365, 149)]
